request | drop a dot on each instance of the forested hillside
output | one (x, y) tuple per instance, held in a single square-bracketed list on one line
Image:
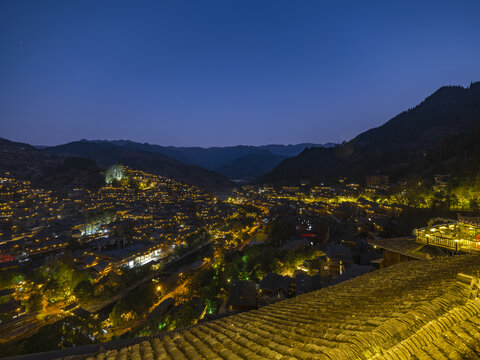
[(401, 144)]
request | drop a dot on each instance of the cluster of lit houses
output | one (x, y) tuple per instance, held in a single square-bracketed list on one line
[(24, 213), (349, 203), (132, 221), (138, 218), (341, 202)]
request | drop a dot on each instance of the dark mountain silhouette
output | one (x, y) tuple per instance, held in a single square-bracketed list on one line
[(398, 144), (46, 170), (216, 158), (213, 158), (251, 167), (171, 152), (458, 155), (107, 154)]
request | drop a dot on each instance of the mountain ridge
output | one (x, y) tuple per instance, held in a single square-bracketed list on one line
[(251, 167), (46, 170), (400, 141), (217, 159), (107, 154)]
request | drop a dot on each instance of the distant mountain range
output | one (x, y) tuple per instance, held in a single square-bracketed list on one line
[(235, 162), (401, 145), (213, 158), (439, 135), (81, 163), (251, 167), (107, 154)]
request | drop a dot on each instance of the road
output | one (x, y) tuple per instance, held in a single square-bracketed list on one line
[(179, 289), (100, 305)]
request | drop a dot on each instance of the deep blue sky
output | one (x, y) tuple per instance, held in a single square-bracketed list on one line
[(225, 72)]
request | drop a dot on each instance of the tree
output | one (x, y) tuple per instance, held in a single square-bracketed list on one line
[(134, 304), (279, 231), (34, 303), (473, 204), (114, 173), (84, 291), (184, 316), (10, 278), (60, 279)]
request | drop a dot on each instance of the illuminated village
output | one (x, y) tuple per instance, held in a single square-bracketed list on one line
[(144, 254)]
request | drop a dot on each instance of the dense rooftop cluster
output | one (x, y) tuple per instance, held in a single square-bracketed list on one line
[(24, 211), (340, 202), (157, 213)]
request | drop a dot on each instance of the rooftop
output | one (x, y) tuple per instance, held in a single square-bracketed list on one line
[(409, 247)]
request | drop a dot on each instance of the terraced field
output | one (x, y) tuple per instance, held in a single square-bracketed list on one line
[(420, 310)]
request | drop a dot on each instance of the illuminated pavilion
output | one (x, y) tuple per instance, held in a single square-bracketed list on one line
[(458, 236)]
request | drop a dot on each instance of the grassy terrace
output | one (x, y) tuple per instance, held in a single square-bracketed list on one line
[(421, 309)]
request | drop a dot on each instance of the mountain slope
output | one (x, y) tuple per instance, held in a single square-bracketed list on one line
[(251, 167), (458, 155), (107, 154), (47, 170), (402, 141), (224, 158), (168, 151)]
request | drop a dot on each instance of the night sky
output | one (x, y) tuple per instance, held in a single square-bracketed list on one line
[(214, 73)]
